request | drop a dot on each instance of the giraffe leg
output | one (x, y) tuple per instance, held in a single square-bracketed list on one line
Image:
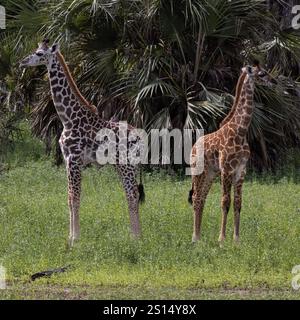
[(130, 185), (74, 189), (226, 181), (201, 187), (238, 184), (196, 198)]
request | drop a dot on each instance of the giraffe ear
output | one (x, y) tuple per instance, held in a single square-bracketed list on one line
[(244, 69), (55, 48), (256, 63)]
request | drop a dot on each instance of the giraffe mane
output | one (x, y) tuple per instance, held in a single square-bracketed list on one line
[(73, 85), (238, 91)]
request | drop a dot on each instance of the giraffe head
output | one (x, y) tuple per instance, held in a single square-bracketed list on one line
[(257, 74), (41, 56)]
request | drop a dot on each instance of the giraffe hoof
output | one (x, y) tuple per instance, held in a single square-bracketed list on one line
[(221, 242), (71, 242), (236, 241), (195, 239), (136, 236)]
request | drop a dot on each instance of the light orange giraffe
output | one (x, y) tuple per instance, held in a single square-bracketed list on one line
[(226, 152)]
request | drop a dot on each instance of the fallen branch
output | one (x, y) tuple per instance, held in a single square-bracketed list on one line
[(48, 273)]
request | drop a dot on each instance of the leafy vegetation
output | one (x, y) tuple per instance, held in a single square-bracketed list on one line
[(106, 263), (34, 229), (157, 64)]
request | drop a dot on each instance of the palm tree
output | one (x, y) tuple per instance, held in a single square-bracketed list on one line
[(163, 65), (15, 93)]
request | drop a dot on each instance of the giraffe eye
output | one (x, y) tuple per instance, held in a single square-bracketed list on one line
[(262, 74)]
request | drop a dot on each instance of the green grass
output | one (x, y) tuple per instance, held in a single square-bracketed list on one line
[(107, 263)]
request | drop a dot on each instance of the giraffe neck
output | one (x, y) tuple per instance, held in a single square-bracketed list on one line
[(65, 101), (243, 114), (238, 89)]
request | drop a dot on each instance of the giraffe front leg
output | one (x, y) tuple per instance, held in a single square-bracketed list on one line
[(74, 189), (226, 181)]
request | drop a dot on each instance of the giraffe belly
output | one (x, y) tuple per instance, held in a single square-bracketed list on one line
[(89, 156)]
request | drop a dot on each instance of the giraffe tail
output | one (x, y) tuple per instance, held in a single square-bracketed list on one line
[(141, 188), (190, 197), (141, 193)]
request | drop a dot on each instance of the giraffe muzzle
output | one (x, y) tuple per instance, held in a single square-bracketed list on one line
[(24, 63)]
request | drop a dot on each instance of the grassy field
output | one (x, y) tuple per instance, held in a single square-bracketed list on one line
[(107, 263)]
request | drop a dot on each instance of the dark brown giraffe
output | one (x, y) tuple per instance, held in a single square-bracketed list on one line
[(79, 141), (226, 152)]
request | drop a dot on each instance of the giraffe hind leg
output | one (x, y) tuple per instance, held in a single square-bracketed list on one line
[(132, 189), (201, 187), (226, 182)]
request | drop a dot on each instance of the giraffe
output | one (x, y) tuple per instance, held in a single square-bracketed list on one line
[(78, 141), (226, 153)]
